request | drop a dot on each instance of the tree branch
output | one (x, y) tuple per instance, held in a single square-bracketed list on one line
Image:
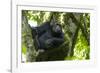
[(79, 24)]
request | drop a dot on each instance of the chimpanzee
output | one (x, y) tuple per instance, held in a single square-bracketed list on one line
[(49, 35)]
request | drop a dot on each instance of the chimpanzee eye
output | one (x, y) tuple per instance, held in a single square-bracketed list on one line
[(58, 27)]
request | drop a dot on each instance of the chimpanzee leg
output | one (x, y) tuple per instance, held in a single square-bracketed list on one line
[(40, 29)]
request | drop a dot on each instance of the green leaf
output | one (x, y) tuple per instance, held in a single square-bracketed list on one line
[(24, 49)]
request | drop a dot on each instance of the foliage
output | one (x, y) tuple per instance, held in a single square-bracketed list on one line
[(76, 28)]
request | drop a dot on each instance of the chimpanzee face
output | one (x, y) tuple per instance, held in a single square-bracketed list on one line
[(56, 29)]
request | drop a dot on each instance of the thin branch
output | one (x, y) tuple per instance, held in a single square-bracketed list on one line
[(79, 24)]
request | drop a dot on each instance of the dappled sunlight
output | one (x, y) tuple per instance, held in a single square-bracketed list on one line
[(32, 23), (76, 32)]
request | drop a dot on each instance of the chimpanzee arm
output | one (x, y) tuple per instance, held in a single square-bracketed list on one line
[(43, 28), (55, 41)]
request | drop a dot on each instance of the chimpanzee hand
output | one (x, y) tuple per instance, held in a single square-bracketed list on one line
[(49, 43)]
